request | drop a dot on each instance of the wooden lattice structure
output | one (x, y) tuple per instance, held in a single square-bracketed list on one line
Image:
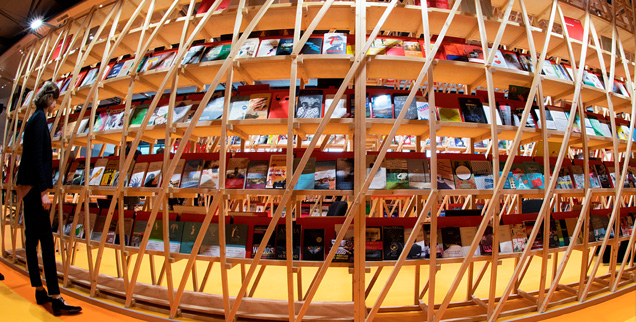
[(110, 30)]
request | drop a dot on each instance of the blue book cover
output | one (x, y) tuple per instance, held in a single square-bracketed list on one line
[(306, 179)]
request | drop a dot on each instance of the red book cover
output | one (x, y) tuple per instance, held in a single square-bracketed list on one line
[(61, 47), (207, 4), (279, 105), (575, 28)]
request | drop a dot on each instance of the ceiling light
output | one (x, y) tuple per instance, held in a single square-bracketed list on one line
[(36, 23)]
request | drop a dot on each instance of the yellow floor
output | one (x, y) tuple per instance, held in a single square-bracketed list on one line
[(16, 294)]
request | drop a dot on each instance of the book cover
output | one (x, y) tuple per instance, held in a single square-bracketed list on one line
[(114, 121), (379, 181), (236, 240), (285, 47), (485, 245), (307, 176), (281, 242), (482, 172), (257, 239), (257, 174), (397, 175), (100, 121), (455, 52), (209, 175), (519, 237), (189, 237), (313, 244), (309, 104), (340, 110), (393, 241), (268, 47), (373, 244), (467, 235), (463, 174), (159, 115), (412, 49), (192, 173), (138, 174), (153, 175), (279, 105), (419, 174), (175, 180), (548, 69), (97, 172), (210, 245), (411, 113), (98, 228), (180, 113), (512, 61), (452, 241), (258, 106), (449, 114), (344, 173), (445, 178), (214, 109), (574, 27), (248, 49), (345, 250), (313, 46), (138, 233), (238, 107), (419, 248), (114, 71), (534, 175), (277, 172), (472, 110), (78, 176), (216, 52), (138, 115), (334, 44), (422, 108), (235, 173), (564, 180), (504, 234), (193, 56), (90, 77), (325, 175), (602, 175), (538, 241), (381, 106)]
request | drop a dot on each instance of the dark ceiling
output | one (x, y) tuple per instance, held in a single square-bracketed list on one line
[(16, 15)]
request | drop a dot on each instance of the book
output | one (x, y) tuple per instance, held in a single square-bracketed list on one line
[(309, 104), (381, 106), (449, 114), (215, 52), (379, 181), (78, 176), (564, 180), (153, 175), (463, 174), (412, 49), (307, 176), (344, 173), (548, 69), (325, 175), (422, 108), (485, 244), (397, 175), (156, 239), (482, 172), (281, 241), (257, 174), (235, 173), (267, 47), (393, 241), (277, 172), (452, 241), (455, 52), (257, 239), (248, 49), (419, 248), (345, 250), (175, 180), (138, 115), (285, 47), (467, 235), (313, 46), (534, 175), (445, 178), (210, 245), (472, 110), (258, 106), (341, 107), (419, 174), (574, 28), (97, 172), (98, 228), (504, 234), (209, 175), (213, 110), (91, 77), (138, 233), (100, 121), (180, 113), (193, 55), (512, 61), (138, 174), (191, 173), (235, 240), (411, 113), (189, 237), (313, 244), (602, 175), (373, 244), (334, 44), (519, 238)]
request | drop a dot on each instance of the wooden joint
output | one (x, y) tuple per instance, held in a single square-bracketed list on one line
[(295, 269), (499, 262), (567, 288), (480, 303), (528, 297), (367, 270)]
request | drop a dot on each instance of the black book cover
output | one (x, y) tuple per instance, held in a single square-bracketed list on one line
[(472, 110), (285, 47), (553, 240), (313, 46), (344, 173), (314, 244), (373, 242), (393, 241), (309, 104), (485, 245), (281, 242), (257, 240)]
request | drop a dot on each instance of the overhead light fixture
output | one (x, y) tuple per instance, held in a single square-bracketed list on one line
[(36, 23)]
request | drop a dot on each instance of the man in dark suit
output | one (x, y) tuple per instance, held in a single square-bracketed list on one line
[(34, 178)]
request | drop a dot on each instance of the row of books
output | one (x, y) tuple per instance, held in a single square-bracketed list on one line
[(312, 103), (313, 237), (335, 171)]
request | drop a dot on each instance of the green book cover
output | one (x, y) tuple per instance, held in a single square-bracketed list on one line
[(138, 115), (397, 175)]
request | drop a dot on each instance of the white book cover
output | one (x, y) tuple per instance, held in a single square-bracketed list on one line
[(499, 60), (125, 68), (90, 77), (589, 130), (268, 47), (487, 112), (605, 129), (180, 112), (340, 109), (248, 49), (548, 69), (621, 87), (379, 181), (422, 108), (334, 43), (82, 126), (97, 172), (560, 120)]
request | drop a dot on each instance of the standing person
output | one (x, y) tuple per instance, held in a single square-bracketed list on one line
[(34, 178)]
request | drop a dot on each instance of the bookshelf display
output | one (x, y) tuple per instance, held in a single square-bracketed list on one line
[(263, 162)]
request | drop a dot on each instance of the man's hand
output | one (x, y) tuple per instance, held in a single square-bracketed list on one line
[(46, 202)]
